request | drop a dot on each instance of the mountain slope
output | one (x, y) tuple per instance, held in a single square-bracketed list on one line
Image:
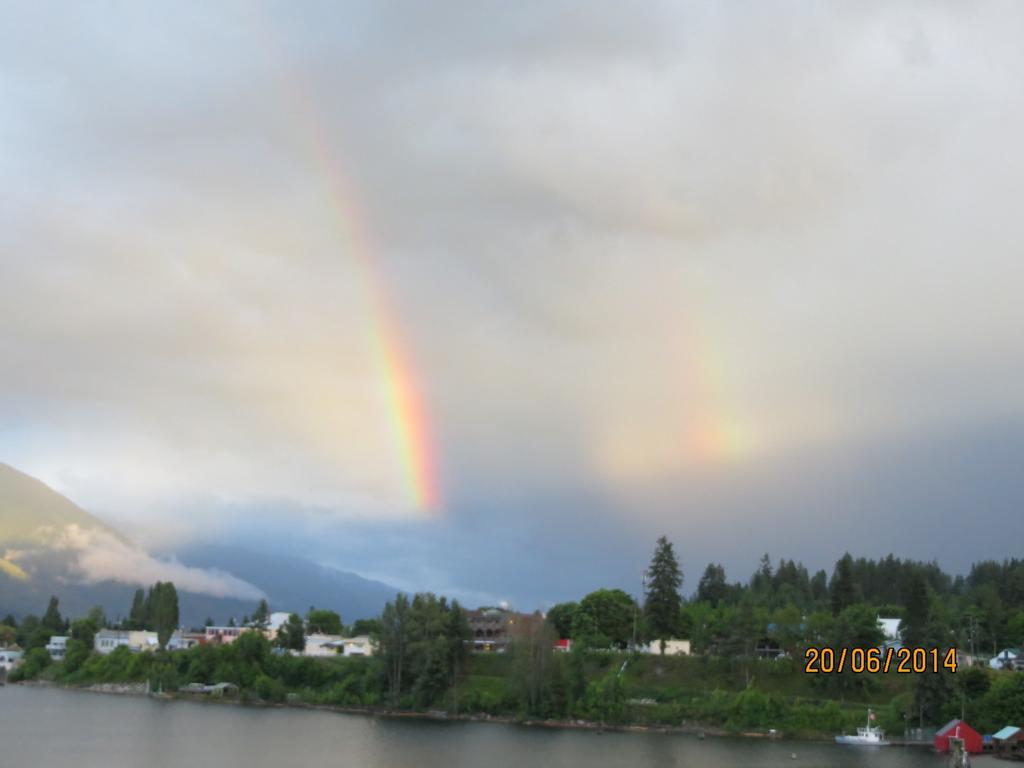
[(27, 504), (293, 584), (51, 546)]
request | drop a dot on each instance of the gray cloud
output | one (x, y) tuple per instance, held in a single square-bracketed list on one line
[(632, 250)]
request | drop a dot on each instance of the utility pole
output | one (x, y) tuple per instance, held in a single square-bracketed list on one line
[(636, 607)]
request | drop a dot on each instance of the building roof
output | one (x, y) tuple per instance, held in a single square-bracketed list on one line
[(276, 619), (1006, 733), (951, 725)]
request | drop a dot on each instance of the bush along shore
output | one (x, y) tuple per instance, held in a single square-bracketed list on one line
[(584, 688)]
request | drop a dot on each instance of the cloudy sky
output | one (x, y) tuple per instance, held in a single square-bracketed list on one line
[(748, 277)]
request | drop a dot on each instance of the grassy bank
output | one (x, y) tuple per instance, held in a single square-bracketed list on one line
[(732, 695)]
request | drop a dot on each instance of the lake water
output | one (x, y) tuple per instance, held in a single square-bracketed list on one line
[(51, 727)]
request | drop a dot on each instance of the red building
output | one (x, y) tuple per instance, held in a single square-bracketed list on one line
[(958, 729)]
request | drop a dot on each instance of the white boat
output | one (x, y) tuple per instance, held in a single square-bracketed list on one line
[(868, 736)]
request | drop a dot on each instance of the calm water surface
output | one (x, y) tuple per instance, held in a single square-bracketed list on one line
[(50, 727)]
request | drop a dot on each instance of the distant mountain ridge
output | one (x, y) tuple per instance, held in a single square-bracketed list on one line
[(294, 584), (46, 541)]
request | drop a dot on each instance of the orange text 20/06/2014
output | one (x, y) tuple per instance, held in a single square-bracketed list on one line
[(825, 660)]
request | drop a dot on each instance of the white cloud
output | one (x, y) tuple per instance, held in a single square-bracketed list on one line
[(103, 556)]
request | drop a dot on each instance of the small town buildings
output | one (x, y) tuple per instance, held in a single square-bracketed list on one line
[(224, 635), (958, 729), (323, 645), (274, 623), (360, 645), (10, 658), (1004, 659), (107, 640), (768, 648), (673, 647), (564, 645), (494, 628), (1009, 743), (57, 647)]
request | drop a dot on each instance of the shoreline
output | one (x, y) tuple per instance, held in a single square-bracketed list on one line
[(687, 729)]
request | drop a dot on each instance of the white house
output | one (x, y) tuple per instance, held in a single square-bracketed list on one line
[(322, 645), (357, 646), (135, 640), (673, 647), (275, 622), (57, 647), (1004, 659), (9, 659), (361, 645)]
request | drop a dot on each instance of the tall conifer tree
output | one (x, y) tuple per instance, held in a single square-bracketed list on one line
[(663, 600)]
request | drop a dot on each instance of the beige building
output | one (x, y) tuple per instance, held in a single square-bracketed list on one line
[(673, 647)]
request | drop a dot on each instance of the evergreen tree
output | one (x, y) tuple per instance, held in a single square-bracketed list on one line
[(663, 601), (819, 587), (843, 589), (164, 612), (917, 605), (458, 636), (292, 634), (393, 639), (262, 615), (52, 620), (136, 615), (712, 587), (762, 580)]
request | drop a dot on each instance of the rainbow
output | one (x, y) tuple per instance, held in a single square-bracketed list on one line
[(406, 407), (712, 436), (405, 404)]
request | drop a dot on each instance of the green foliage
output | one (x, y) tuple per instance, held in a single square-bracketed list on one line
[(52, 620), (137, 614), (365, 627), (561, 617), (605, 700), (162, 610), (1004, 702), (261, 617), (75, 655), (605, 619), (84, 631), (712, 588), (268, 689), (917, 611), (843, 588), (35, 661), (423, 645), (324, 622), (291, 634)]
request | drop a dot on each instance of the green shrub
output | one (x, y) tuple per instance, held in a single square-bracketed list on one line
[(34, 662)]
